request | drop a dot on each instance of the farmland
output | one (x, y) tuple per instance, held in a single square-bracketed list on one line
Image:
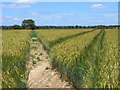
[(15, 50), (85, 57), (58, 36), (109, 71)]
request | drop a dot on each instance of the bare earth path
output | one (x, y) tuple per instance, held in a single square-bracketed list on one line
[(41, 74)]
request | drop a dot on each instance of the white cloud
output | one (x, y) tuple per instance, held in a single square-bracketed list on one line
[(26, 1), (98, 6), (19, 4), (16, 19), (110, 15), (11, 18), (16, 6)]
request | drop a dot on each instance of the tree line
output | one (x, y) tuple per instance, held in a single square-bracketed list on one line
[(30, 24)]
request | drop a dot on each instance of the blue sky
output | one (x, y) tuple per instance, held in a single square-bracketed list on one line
[(61, 13)]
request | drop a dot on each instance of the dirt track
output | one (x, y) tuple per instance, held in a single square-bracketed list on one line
[(41, 74)]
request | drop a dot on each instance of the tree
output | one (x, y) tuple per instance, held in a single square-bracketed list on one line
[(79, 26), (28, 24), (16, 27), (76, 26)]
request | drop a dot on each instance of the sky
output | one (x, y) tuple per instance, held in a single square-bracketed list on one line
[(60, 13)]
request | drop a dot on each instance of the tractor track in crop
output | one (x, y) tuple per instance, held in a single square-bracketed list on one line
[(92, 54), (61, 40), (40, 72), (87, 59)]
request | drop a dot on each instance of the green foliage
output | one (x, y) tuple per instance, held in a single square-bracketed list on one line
[(16, 27), (41, 54), (35, 40), (28, 24), (32, 56), (34, 48), (34, 62), (62, 80), (47, 68), (38, 59), (47, 85), (36, 53), (34, 34)]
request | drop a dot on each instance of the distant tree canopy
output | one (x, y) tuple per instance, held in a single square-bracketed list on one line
[(16, 27), (28, 24), (76, 26)]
